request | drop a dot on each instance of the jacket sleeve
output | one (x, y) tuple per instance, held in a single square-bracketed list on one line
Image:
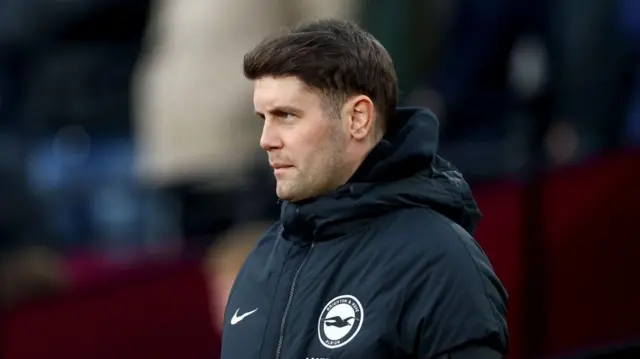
[(452, 297)]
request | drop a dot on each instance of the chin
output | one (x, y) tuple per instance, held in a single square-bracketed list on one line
[(288, 196), (284, 195), (292, 192)]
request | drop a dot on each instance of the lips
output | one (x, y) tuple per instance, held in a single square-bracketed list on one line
[(278, 166)]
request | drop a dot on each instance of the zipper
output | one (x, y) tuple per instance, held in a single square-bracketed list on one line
[(290, 299)]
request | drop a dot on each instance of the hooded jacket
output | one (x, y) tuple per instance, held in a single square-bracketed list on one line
[(383, 267)]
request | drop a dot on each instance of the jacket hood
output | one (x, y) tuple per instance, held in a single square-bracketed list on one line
[(402, 171)]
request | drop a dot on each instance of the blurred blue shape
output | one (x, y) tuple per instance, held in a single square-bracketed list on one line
[(93, 199)]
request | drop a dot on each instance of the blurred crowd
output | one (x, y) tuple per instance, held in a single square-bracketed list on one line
[(127, 128)]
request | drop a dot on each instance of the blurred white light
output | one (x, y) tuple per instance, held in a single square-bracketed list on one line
[(528, 67)]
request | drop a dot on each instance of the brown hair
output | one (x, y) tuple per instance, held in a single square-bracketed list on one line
[(335, 57)]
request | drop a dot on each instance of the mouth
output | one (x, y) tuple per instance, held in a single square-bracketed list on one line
[(280, 168)]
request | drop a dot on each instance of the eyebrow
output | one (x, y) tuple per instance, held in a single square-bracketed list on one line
[(279, 110)]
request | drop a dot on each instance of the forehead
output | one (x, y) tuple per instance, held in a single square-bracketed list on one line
[(270, 92)]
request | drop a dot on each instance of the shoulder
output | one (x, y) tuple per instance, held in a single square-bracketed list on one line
[(256, 258), (439, 249), (270, 235), (266, 241), (421, 233), (449, 285), (429, 249)]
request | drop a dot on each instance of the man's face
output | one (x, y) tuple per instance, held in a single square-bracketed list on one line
[(306, 148)]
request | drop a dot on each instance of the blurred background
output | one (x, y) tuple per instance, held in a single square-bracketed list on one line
[(133, 185)]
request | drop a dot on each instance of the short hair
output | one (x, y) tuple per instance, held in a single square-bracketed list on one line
[(335, 57)]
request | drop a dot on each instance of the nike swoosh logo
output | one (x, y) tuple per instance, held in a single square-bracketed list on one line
[(238, 318)]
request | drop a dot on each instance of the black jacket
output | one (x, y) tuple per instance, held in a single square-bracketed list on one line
[(384, 267)]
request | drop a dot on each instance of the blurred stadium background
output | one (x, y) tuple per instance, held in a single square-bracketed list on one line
[(133, 185)]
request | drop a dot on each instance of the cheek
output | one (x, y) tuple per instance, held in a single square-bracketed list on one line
[(306, 143), (312, 145), (324, 156), (305, 154)]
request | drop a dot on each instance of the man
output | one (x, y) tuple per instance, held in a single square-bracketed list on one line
[(373, 255)]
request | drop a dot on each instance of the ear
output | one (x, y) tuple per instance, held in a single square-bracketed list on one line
[(361, 114)]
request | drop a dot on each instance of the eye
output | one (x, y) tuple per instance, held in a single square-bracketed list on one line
[(288, 117), (285, 116)]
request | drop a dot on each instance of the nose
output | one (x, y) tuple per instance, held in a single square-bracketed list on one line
[(270, 138)]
